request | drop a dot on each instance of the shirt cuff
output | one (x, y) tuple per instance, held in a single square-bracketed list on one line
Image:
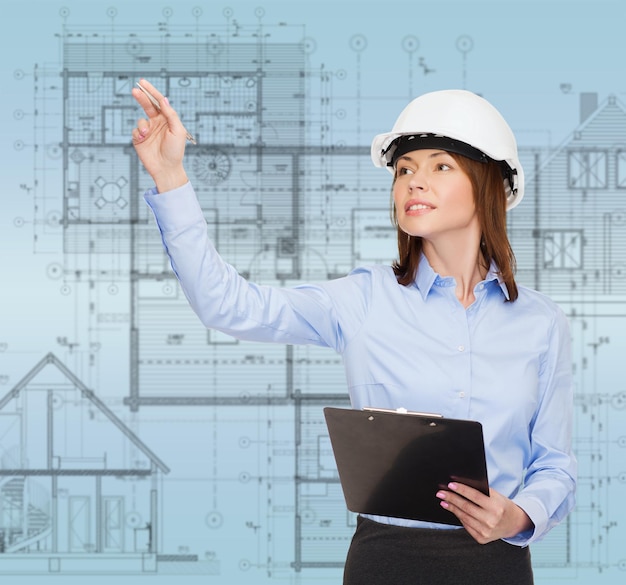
[(537, 515), (175, 209)]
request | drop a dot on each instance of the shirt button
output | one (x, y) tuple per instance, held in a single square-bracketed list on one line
[(461, 348), (461, 394)]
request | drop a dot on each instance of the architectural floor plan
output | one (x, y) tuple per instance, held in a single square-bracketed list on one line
[(133, 440)]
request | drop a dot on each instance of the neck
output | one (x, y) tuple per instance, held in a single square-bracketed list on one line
[(464, 263)]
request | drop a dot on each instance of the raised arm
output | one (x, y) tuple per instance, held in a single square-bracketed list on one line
[(221, 298)]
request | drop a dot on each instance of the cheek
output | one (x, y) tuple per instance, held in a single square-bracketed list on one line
[(464, 196), (396, 196)]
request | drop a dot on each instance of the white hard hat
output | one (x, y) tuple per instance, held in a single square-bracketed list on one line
[(457, 121)]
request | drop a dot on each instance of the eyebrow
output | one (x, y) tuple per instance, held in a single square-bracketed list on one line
[(433, 155)]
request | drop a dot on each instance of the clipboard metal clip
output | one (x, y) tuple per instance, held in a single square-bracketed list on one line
[(402, 410)]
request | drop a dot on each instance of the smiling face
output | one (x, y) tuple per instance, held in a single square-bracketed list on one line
[(434, 198)]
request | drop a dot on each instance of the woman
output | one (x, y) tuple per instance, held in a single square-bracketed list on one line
[(446, 329)]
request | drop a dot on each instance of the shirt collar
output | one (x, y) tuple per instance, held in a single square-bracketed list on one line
[(427, 277)]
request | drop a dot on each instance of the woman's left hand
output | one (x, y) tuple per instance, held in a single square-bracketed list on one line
[(486, 518)]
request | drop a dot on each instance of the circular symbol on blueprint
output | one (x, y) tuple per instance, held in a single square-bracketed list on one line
[(134, 47), (244, 564), (18, 74), (308, 45), (464, 44), (57, 401), (54, 151), (64, 12), (133, 519), (211, 166), (259, 12), (77, 156), (358, 43), (214, 519), (196, 11), (112, 12), (167, 12), (215, 47), (410, 44), (54, 271)]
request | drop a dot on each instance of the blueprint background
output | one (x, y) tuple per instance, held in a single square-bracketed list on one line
[(530, 58)]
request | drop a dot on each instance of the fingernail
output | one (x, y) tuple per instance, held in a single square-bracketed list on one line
[(143, 131), (441, 495), (166, 101), (444, 505), (452, 486)]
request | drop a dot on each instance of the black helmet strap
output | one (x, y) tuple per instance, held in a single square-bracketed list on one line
[(408, 142)]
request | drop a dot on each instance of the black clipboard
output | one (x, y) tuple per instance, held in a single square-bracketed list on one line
[(392, 463)]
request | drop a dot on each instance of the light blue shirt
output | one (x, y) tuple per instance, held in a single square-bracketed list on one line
[(507, 365)]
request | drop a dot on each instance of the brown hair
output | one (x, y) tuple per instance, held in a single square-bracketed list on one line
[(490, 200)]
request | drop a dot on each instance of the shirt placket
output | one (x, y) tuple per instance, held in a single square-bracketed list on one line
[(463, 373), (460, 353)]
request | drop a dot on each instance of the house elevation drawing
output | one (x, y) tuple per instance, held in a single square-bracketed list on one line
[(133, 441)]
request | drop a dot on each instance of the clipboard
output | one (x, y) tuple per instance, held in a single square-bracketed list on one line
[(393, 463)]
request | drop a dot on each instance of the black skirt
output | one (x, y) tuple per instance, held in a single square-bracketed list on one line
[(382, 554)]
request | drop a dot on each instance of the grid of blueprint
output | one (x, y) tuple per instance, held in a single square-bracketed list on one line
[(136, 443)]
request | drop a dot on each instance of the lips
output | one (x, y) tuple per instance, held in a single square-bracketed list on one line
[(415, 206)]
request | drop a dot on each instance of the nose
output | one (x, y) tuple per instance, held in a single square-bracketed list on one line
[(418, 181)]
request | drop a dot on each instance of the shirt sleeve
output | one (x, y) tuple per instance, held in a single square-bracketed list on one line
[(224, 300), (548, 492)]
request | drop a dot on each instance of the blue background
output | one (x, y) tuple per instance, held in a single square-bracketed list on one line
[(532, 59)]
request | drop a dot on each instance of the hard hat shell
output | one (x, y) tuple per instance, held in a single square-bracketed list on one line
[(460, 115)]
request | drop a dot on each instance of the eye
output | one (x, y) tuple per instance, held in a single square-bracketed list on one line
[(443, 167), (403, 170)]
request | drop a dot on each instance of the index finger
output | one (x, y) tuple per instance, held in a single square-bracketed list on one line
[(469, 493), (144, 101), (153, 90)]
